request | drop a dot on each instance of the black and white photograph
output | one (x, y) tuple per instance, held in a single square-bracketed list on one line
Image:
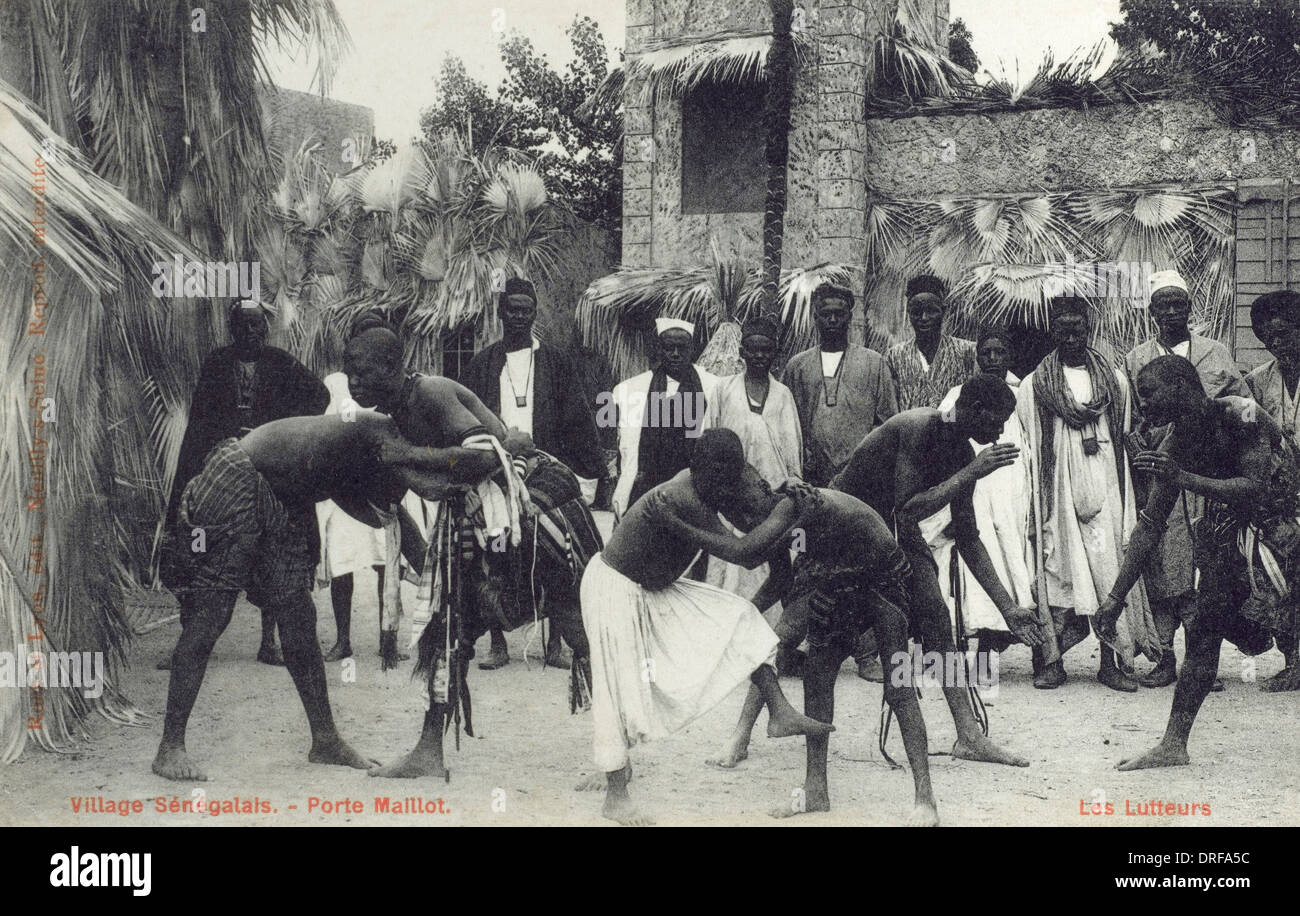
[(693, 413)]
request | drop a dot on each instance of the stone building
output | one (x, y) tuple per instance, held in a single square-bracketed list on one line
[(694, 168), (342, 129)]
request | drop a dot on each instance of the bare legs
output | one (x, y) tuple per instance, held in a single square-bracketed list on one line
[(425, 759), (936, 635), (341, 602), (205, 616), (819, 703), (1204, 639), (268, 653)]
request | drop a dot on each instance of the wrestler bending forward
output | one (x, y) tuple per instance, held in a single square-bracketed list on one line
[(247, 522)]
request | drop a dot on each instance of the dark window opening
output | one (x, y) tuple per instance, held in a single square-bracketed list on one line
[(723, 167)]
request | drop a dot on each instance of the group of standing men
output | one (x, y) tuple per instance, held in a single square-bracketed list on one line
[(903, 493)]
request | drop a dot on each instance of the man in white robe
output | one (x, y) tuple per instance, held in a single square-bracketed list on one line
[(762, 412), (1074, 409), (347, 545), (661, 413), (1001, 502)]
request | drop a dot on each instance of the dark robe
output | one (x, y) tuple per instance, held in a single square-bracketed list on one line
[(282, 387), (564, 415)]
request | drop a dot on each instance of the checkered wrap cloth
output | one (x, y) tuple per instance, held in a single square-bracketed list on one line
[(250, 540)]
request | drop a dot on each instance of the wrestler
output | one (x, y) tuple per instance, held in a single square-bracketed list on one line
[(1235, 455), (849, 576), (432, 412), (247, 521), (910, 467), (664, 649)]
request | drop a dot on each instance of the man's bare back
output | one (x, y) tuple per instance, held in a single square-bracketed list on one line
[(351, 458)]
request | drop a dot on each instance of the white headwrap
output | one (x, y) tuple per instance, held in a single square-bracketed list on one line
[(669, 324), (1165, 279)]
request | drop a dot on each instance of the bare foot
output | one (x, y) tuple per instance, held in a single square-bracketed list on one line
[(270, 655), (1284, 680), (597, 781), (735, 751), (924, 814), (339, 753), (414, 765), (804, 801), (621, 809), (338, 652), (174, 763), (1051, 677), (1162, 755), (792, 723), (985, 751)]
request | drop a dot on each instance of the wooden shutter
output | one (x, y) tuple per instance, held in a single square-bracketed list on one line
[(1268, 256)]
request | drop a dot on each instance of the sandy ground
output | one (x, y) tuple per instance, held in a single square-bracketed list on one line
[(249, 731)]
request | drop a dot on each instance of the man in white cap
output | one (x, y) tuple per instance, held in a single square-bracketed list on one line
[(1170, 575), (661, 413)]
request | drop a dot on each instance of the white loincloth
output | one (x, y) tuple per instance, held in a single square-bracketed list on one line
[(661, 658)]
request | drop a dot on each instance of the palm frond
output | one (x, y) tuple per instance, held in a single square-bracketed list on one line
[(616, 313), (1003, 258)]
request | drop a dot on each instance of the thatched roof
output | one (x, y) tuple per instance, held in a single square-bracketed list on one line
[(671, 67)]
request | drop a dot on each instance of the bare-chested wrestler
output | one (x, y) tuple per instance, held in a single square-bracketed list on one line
[(849, 575), (431, 412), (252, 508), (1233, 453), (665, 650), (909, 468)]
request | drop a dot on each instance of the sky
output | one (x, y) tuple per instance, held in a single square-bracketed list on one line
[(399, 45)]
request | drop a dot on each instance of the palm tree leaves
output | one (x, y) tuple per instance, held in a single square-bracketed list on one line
[(616, 313), (1003, 257), (428, 235)]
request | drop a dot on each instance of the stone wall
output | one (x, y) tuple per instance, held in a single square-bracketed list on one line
[(1172, 142), (292, 117), (827, 183)]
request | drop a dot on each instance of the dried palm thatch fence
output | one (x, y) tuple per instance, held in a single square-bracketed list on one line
[(1245, 93), (1004, 257), (428, 236)]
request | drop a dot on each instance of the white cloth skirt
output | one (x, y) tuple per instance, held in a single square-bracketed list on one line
[(660, 658), (346, 545)]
